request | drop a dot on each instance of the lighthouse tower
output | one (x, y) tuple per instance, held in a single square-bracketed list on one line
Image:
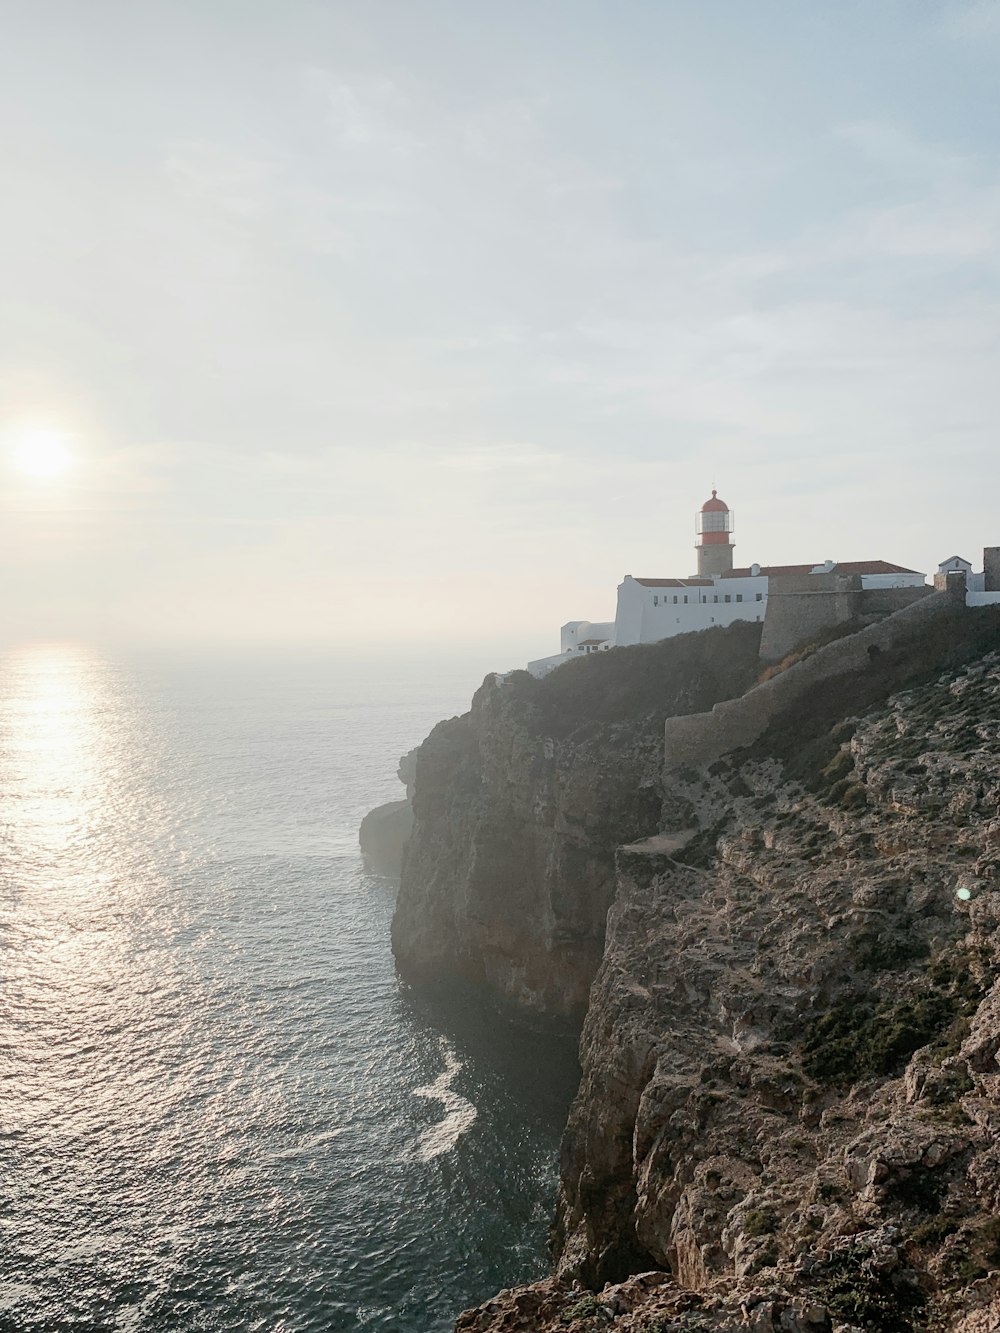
[(714, 544)]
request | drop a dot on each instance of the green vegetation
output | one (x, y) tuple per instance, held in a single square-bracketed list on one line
[(839, 767), (875, 1301), (967, 973), (585, 1307), (855, 794), (858, 1038), (865, 1036), (760, 1222), (934, 1230)]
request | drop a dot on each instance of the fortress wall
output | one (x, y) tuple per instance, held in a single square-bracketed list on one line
[(802, 606), (887, 601), (700, 739)]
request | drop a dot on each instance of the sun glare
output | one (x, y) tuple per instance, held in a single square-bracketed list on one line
[(40, 451)]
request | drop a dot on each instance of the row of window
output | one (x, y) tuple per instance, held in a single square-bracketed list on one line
[(725, 597), (678, 620)]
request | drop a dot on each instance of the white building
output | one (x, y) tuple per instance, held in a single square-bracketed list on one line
[(654, 609), (651, 609), (980, 589), (577, 638)]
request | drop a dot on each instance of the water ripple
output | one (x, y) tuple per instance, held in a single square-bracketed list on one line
[(210, 1073)]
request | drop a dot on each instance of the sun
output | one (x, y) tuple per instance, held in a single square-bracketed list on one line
[(41, 451)]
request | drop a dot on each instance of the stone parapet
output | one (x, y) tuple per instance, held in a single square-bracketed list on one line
[(699, 739)]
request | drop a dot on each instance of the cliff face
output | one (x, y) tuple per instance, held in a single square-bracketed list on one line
[(520, 804), (790, 1104)]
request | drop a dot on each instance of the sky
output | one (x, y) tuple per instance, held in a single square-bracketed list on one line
[(388, 324)]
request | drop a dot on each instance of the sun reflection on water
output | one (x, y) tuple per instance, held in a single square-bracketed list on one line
[(54, 756), (206, 1064)]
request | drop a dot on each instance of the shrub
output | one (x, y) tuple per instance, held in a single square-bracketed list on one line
[(934, 1230), (760, 1222), (854, 795), (858, 1038), (584, 1307), (839, 766), (875, 1301)]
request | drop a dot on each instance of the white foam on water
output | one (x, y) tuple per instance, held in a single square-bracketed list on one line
[(460, 1115)]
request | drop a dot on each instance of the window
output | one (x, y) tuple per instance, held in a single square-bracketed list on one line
[(739, 597), (675, 599), (760, 597), (715, 598), (728, 598), (656, 601), (685, 599)]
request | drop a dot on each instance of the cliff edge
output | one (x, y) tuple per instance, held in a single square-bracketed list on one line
[(520, 804)]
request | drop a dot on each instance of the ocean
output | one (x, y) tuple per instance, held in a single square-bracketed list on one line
[(219, 1107)]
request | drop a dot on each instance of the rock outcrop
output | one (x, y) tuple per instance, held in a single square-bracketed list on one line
[(520, 804), (789, 1117), (386, 830)]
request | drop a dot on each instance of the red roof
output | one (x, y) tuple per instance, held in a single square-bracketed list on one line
[(844, 567), (675, 583), (872, 567), (715, 505)]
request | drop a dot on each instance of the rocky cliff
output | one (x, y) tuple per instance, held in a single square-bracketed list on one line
[(789, 1117), (520, 804), (386, 830)]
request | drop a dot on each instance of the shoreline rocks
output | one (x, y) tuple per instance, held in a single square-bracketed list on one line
[(386, 830)]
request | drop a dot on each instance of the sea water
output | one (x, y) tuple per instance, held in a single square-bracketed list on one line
[(219, 1107)]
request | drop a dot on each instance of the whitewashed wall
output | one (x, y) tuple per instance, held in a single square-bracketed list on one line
[(646, 615)]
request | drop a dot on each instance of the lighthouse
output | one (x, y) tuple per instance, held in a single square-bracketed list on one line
[(714, 544)]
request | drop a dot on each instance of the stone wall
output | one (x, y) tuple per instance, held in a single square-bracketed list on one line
[(991, 569), (887, 601), (801, 606), (700, 739)]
